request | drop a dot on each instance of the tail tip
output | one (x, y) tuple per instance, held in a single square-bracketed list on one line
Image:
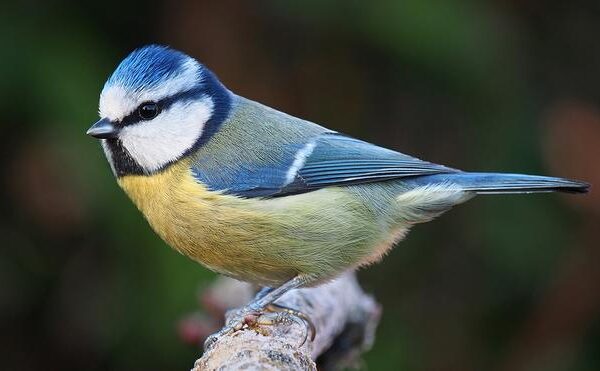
[(577, 186)]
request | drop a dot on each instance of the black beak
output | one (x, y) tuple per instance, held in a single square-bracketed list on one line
[(103, 129)]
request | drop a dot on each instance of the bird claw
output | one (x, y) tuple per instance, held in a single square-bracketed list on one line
[(248, 316), (273, 314), (286, 314), (244, 317)]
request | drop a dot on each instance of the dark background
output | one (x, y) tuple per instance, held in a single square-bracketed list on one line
[(501, 283)]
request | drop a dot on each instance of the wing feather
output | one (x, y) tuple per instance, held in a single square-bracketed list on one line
[(340, 160), (333, 160)]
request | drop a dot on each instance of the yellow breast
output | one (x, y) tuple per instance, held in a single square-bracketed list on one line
[(222, 232)]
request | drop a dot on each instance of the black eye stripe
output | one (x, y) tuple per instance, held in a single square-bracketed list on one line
[(163, 104)]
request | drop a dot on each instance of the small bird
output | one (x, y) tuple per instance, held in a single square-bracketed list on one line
[(261, 196)]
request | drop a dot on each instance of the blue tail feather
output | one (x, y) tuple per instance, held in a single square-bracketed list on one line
[(493, 183)]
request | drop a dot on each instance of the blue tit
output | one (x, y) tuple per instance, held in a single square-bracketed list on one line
[(261, 196)]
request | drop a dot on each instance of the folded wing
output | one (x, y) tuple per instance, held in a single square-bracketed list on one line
[(330, 159)]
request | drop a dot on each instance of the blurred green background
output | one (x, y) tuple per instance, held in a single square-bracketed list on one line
[(501, 283)]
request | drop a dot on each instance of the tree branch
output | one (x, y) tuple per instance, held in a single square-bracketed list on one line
[(344, 316)]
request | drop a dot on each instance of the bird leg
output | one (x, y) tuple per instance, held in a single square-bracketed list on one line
[(262, 292), (251, 311)]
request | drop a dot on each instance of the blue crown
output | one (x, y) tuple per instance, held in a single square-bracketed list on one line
[(147, 67)]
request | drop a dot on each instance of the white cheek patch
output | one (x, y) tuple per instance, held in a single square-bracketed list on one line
[(155, 143)]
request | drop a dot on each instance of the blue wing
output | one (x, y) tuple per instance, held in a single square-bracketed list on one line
[(330, 159)]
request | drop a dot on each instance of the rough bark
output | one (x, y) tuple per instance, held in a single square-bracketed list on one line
[(345, 319)]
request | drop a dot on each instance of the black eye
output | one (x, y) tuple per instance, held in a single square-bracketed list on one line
[(148, 110)]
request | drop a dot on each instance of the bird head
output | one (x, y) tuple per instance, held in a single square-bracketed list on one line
[(158, 106)]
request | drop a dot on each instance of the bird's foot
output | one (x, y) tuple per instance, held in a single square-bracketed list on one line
[(249, 315), (244, 317), (285, 315), (253, 318)]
